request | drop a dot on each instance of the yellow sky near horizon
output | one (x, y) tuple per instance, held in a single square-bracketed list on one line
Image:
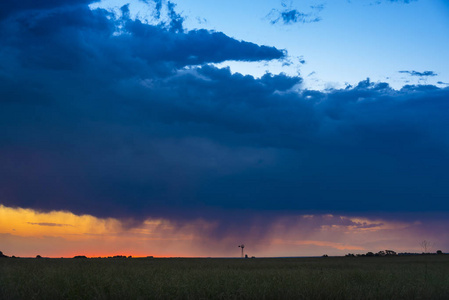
[(27, 232)]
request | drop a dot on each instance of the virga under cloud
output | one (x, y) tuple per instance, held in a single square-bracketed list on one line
[(285, 236)]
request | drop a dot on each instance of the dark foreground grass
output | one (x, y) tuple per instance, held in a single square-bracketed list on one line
[(414, 277)]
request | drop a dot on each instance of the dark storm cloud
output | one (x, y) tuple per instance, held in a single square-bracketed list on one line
[(105, 115), (175, 19), (76, 38), (9, 7), (191, 48), (419, 74)]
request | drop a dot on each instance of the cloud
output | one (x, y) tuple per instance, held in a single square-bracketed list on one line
[(157, 7), (289, 15), (49, 224), (294, 16), (87, 36), (11, 7), (394, 1), (420, 74), (403, 1), (110, 116), (288, 235)]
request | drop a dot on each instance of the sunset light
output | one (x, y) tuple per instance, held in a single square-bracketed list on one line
[(27, 233)]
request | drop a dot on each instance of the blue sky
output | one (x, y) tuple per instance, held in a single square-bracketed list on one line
[(340, 41), (227, 113)]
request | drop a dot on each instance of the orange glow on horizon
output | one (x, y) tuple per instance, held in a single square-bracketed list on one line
[(26, 233)]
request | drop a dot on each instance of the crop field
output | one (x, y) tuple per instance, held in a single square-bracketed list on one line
[(408, 277)]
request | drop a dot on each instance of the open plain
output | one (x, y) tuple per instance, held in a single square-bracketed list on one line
[(398, 277)]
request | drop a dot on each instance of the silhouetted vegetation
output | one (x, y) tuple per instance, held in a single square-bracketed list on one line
[(2, 255), (389, 253), (394, 277), (118, 256), (426, 245)]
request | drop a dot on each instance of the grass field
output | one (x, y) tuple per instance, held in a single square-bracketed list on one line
[(411, 277)]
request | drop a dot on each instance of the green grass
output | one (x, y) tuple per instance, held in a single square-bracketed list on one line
[(413, 277)]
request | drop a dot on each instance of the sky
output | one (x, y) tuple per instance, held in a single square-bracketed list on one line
[(186, 128)]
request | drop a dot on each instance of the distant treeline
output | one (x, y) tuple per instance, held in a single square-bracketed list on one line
[(368, 254), (77, 256), (389, 253)]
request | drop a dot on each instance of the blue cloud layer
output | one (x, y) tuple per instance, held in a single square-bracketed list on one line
[(110, 116), (289, 15), (420, 74), (395, 1)]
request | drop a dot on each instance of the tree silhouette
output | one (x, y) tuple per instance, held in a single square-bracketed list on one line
[(425, 245)]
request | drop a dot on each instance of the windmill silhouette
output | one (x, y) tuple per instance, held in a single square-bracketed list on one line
[(242, 246)]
